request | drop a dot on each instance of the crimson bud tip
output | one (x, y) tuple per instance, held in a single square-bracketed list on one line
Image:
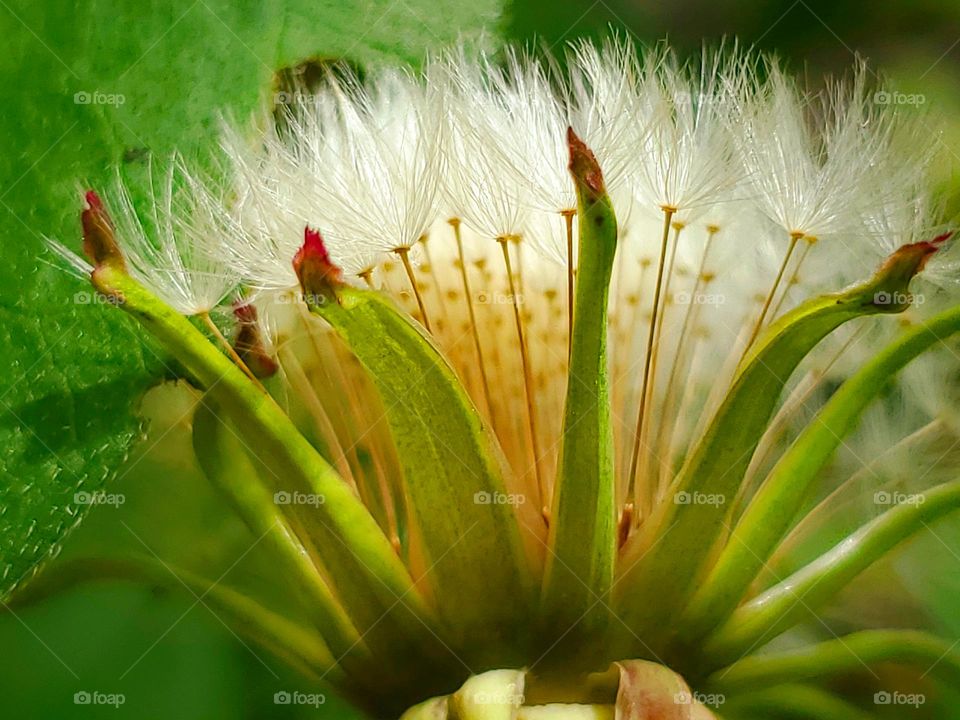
[(583, 164), (319, 276), (99, 242)]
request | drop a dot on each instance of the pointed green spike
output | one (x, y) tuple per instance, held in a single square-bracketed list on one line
[(583, 528)]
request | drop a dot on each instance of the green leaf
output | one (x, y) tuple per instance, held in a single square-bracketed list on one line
[(784, 604), (71, 373), (776, 504), (843, 655), (461, 512), (686, 534), (583, 528)]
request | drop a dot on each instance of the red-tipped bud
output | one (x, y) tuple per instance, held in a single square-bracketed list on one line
[(891, 283), (99, 241), (319, 276), (249, 344), (584, 166), (913, 258)]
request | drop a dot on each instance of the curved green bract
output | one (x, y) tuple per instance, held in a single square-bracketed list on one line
[(848, 654), (770, 512), (462, 512), (786, 603), (583, 528), (687, 534), (371, 580)]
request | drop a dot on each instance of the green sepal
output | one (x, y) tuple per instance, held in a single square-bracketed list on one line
[(779, 499), (583, 528), (463, 515), (372, 582), (686, 535), (842, 655), (789, 601)]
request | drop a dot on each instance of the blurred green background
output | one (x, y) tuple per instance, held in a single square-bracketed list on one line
[(179, 63)]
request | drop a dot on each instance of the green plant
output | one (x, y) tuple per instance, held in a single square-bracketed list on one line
[(433, 526)]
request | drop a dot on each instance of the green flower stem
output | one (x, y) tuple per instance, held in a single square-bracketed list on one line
[(226, 464), (687, 533), (583, 526), (848, 654), (784, 604), (776, 504), (795, 702), (464, 517), (371, 580)]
